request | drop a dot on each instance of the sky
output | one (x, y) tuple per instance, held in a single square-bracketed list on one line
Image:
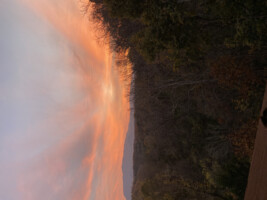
[(64, 107)]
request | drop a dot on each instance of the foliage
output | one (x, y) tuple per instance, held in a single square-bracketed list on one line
[(243, 139), (234, 175), (198, 87)]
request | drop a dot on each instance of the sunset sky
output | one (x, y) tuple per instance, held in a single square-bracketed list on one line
[(64, 107)]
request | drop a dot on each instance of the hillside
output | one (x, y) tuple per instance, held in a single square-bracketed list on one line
[(198, 87)]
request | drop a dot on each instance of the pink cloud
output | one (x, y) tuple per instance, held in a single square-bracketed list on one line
[(76, 151)]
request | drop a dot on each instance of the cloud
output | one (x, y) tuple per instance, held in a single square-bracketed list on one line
[(65, 112)]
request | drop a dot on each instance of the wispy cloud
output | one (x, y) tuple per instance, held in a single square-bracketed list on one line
[(66, 112)]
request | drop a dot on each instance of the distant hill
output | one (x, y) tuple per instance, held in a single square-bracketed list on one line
[(127, 163)]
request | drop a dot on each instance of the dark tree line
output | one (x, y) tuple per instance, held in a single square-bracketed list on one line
[(198, 85)]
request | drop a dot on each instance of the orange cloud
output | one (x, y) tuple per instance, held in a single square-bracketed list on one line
[(85, 162)]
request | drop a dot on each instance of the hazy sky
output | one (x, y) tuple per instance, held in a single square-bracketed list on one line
[(64, 109)]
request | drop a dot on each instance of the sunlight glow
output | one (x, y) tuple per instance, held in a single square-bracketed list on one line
[(72, 145)]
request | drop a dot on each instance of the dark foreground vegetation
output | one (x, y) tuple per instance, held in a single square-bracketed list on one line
[(198, 85)]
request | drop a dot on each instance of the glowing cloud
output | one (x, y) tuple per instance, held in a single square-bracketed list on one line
[(71, 105)]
